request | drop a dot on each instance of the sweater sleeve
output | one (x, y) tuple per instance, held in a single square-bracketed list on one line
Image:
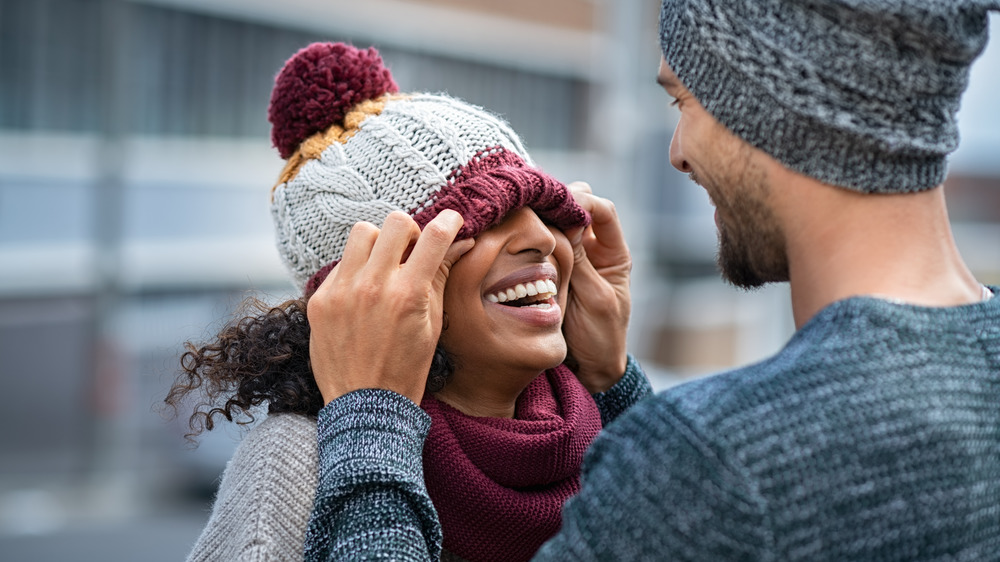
[(629, 390), (371, 501), (653, 488), (263, 504)]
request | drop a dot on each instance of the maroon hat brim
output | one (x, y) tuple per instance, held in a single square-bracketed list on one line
[(485, 190)]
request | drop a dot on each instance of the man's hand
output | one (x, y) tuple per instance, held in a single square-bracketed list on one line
[(599, 305), (376, 319)]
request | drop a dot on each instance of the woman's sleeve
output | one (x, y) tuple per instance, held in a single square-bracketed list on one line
[(627, 392), (262, 507), (371, 500)]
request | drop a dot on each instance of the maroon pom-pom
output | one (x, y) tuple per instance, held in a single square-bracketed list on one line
[(318, 86)]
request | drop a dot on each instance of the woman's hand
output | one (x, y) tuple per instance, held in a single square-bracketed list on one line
[(599, 305), (375, 320)]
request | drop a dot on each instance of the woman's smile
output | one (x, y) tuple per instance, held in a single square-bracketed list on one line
[(527, 295)]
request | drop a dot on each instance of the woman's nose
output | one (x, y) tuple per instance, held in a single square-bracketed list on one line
[(529, 233)]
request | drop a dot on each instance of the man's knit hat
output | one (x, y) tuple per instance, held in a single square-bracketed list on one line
[(860, 94), (357, 150)]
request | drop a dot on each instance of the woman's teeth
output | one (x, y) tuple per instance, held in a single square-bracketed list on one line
[(543, 289)]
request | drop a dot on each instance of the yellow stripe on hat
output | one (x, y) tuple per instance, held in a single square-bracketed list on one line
[(313, 147)]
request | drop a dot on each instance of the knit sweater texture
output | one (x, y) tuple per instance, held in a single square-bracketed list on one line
[(262, 508), (499, 484), (857, 94), (375, 503), (873, 435)]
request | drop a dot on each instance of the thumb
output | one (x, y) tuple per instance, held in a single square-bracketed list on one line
[(451, 257)]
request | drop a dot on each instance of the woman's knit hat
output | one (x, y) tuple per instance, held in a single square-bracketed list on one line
[(860, 94), (357, 150)]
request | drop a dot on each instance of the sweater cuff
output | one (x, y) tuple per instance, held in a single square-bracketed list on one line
[(629, 390), (374, 431)]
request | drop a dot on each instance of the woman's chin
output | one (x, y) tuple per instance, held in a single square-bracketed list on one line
[(551, 356)]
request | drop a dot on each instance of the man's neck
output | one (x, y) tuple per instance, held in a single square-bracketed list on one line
[(900, 247)]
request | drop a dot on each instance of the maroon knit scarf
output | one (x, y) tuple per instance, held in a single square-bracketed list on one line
[(499, 484)]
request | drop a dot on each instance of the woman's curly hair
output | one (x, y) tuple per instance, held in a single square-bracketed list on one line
[(260, 356)]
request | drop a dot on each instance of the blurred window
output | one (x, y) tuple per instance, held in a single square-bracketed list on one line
[(190, 74)]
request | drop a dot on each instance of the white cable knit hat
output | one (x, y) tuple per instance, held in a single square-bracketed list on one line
[(357, 151)]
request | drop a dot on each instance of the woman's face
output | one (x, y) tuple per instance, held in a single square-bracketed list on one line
[(504, 301)]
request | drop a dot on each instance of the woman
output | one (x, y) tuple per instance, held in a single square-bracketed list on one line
[(510, 422)]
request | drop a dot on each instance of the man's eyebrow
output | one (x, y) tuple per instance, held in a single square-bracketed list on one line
[(666, 82)]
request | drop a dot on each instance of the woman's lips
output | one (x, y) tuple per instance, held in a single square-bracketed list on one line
[(547, 313), (533, 289), (544, 271)]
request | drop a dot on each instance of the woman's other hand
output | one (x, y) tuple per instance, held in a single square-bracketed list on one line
[(376, 318)]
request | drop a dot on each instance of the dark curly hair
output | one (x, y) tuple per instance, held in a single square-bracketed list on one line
[(260, 356)]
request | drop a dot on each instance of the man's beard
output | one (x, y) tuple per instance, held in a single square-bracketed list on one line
[(751, 246), (750, 263)]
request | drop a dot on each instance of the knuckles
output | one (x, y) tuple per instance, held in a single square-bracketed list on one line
[(401, 221), (362, 229), (607, 205)]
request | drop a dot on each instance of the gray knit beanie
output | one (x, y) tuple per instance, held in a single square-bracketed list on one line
[(860, 94)]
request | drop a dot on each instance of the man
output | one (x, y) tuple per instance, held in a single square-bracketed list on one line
[(820, 130)]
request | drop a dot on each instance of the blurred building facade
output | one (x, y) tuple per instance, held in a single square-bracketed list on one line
[(135, 164)]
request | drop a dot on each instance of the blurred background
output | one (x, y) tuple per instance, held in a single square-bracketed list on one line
[(135, 168)]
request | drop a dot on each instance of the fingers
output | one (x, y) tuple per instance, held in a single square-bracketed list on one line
[(433, 244), (575, 235), (579, 186), (381, 251), (359, 246), (377, 324), (605, 223), (456, 251), (599, 301), (399, 230), (585, 279)]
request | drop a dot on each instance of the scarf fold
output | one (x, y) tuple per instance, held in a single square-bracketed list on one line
[(499, 484)]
